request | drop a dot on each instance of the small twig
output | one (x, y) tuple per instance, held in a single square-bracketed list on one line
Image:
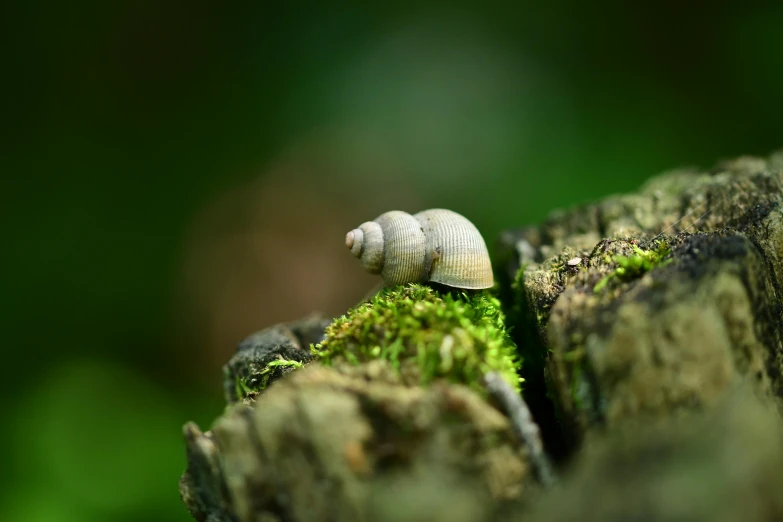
[(516, 409)]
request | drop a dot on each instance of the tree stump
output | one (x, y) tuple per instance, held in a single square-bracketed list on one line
[(650, 332)]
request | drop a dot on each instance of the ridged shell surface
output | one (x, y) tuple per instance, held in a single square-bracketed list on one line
[(370, 249), (404, 247), (457, 254)]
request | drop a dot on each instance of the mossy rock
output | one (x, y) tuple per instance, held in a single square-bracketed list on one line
[(389, 395), (632, 317), (652, 302), (324, 445)]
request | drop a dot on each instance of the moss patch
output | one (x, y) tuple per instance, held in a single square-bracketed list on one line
[(636, 265), (425, 335), (249, 386)]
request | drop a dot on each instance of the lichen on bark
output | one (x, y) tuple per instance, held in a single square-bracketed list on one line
[(321, 443), (390, 393), (673, 336)]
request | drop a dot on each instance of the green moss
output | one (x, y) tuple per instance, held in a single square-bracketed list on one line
[(634, 266), (243, 387), (425, 335), (258, 380)]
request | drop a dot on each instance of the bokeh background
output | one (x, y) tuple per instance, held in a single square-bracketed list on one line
[(178, 174)]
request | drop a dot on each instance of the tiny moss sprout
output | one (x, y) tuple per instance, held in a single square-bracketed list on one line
[(459, 337), (634, 266), (257, 381)]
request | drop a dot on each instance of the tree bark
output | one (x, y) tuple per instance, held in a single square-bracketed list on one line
[(651, 331)]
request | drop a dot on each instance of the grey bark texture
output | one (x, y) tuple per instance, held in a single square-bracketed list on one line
[(326, 445), (652, 342), (651, 331)]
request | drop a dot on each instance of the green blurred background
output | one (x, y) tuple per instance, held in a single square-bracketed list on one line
[(179, 174)]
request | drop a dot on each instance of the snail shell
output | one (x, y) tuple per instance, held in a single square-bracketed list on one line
[(435, 245)]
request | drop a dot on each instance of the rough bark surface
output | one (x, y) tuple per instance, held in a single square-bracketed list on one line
[(601, 347), (722, 465), (651, 331), (324, 443), (249, 371)]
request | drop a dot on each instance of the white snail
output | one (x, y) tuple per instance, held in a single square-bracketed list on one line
[(435, 245)]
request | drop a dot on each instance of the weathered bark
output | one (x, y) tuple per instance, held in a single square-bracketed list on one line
[(249, 371), (722, 465), (668, 337), (325, 444), (651, 328)]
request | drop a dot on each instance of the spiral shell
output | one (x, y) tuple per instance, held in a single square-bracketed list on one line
[(435, 245)]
